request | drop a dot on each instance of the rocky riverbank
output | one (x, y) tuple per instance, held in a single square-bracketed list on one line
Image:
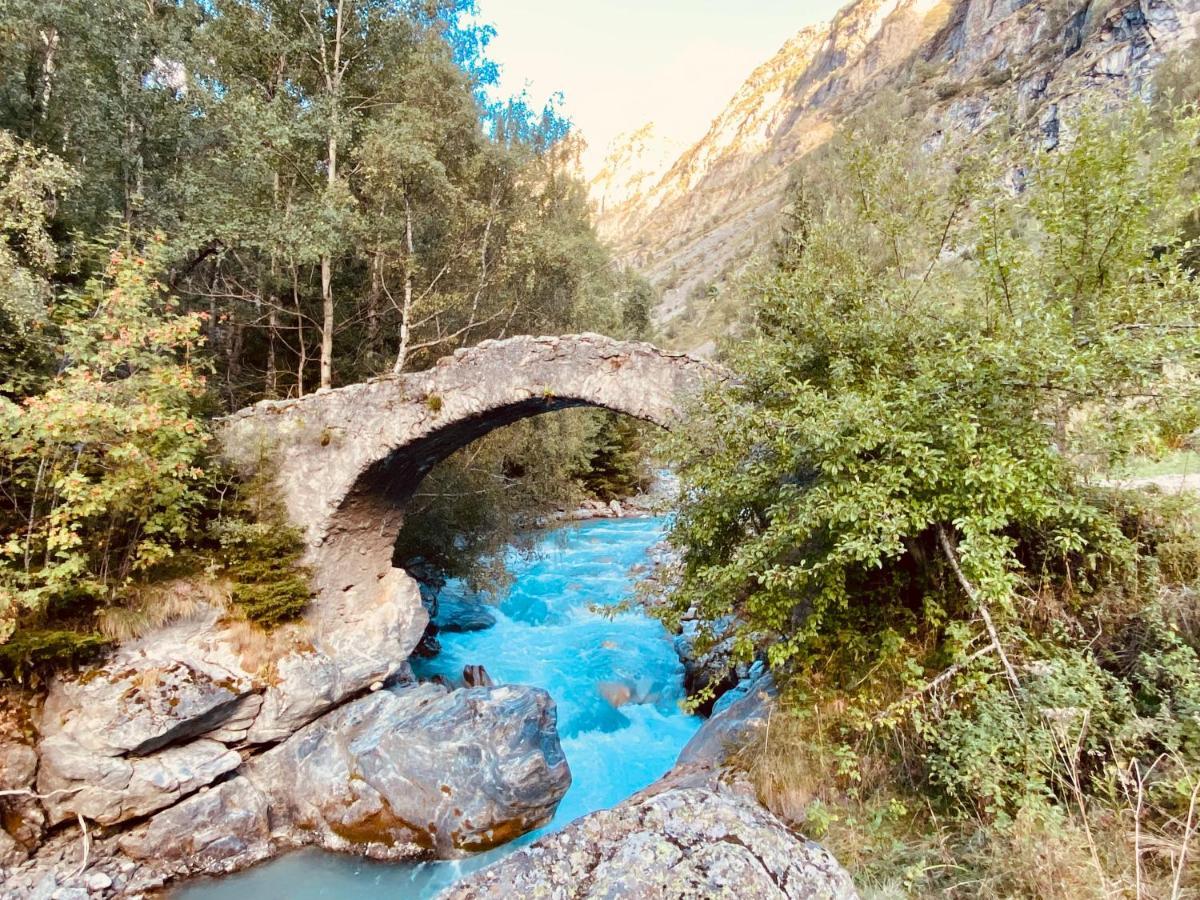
[(697, 832), (181, 757), (416, 771)]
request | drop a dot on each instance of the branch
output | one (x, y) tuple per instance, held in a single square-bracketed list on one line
[(87, 840), (936, 682), (969, 589)]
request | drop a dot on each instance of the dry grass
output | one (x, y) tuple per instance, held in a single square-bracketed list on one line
[(154, 606), (896, 845), (159, 605), (260, 650)]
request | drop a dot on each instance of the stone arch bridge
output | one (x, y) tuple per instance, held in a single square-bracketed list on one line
[(344, 463)]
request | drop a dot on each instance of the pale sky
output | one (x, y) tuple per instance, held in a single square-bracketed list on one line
[(622, 63)]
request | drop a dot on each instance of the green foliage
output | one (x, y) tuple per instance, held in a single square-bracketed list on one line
[(30, 183), (941, 353), (616, 468), (321, 223), (34, 653), (260, 555), (102, 472), (472, 506), (943, 373)]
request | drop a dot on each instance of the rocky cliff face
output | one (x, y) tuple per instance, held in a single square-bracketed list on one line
[(633, 164), (965, 61)]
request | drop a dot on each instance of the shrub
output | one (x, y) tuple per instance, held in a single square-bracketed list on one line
[(32, 654), (102, 474), (260, 554), (901, 499)]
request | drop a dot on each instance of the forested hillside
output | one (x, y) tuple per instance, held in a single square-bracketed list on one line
[(206, 204)]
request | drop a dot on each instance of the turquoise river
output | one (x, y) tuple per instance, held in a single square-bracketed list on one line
[(547, 634)]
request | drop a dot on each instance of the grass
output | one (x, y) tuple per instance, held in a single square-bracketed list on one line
[(896, 842), (1179, 462)]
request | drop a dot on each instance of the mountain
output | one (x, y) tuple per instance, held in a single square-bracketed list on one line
[(633, 164), (960, 63)]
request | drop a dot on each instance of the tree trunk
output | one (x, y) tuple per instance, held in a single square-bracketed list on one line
[(303, 360), (50, 40), (271, 388), (406, 312), (333, 84), (327, 307), (375, 301)]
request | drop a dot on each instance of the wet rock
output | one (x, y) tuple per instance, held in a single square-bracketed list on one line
[(707, 657), (630, 690), (429, 646), (681, 842), (419, 771), (731, 724), (617, 693), (220, 829), (462, 614), (477, 676)]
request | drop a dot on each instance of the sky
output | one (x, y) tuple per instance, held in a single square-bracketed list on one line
[(622, 63)]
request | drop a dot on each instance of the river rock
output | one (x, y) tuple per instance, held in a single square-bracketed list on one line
[(476, 676), (223, 828), (461, 614), (681, 842), (307, 684), (419, 771), (732, 723)]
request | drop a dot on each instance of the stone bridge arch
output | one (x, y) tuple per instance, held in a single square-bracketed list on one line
[(344, 463)]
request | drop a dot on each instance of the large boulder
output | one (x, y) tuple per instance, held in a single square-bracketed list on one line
[(460, 614), (133, 735), (679, 842), (161, 717), (359, 637), (737, 715), (218, 830), (418, 771)]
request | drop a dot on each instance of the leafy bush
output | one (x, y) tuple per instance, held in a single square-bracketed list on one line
[(102, 472), (902, 499), (261, 557)]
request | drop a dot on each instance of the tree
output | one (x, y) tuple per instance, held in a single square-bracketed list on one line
[(944, 355), (102, 472), (31, 184), (904, 503)]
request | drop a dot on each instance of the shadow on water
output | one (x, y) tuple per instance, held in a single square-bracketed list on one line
[(546, 634)]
